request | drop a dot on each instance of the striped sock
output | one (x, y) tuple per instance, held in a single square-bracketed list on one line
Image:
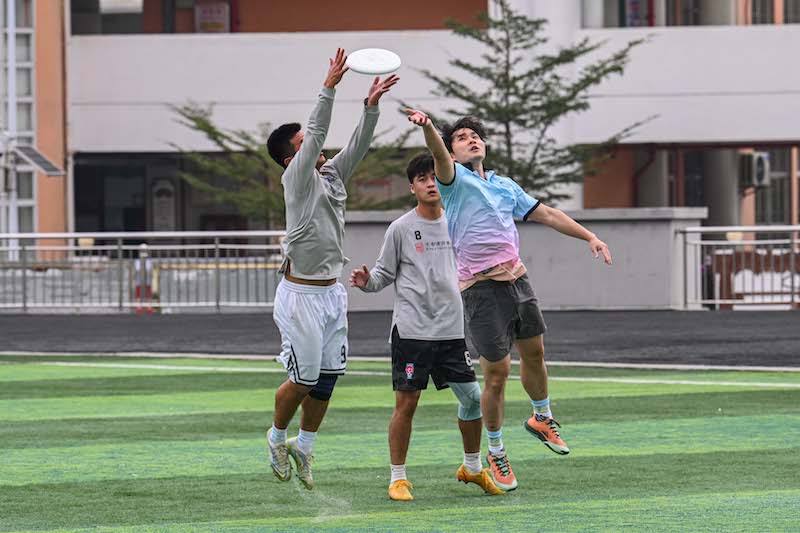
[(542, 407), (305, 441), (495, 440)]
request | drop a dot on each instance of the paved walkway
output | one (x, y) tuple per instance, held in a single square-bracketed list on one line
[(751, 338)]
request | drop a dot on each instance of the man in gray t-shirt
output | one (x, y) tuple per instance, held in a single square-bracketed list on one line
[(427, 327), (310, 306)]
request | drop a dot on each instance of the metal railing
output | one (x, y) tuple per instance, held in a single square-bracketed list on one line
[(737, 267), (142, 272)]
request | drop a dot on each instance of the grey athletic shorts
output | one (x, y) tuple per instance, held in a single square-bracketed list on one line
[(500, 312)]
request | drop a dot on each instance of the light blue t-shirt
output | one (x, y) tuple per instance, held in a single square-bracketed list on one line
[(480, 218)]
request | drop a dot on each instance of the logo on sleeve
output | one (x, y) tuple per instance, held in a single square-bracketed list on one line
[(409, 371)]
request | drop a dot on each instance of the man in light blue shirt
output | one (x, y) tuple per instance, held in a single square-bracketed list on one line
[(500, 306)]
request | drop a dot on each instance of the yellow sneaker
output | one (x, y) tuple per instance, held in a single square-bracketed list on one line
[(483, 480), (399, 490)]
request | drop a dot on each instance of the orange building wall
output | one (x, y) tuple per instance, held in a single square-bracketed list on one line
[(613, 185), (51, 112), (354, 15), (324, 15)]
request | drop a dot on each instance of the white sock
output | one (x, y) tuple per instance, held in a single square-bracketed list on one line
[(305, 441), (398, 472), (496, 449), (546, 414), (472, 462), (277, 436)]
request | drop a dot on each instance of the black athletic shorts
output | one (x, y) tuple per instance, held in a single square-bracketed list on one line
[(414, 360), (500, 312)]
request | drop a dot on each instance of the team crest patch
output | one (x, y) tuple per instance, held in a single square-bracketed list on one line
[(409, 371), (420, 247)]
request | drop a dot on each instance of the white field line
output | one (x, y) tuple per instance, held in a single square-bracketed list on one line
[(378, 373), (252, 357)]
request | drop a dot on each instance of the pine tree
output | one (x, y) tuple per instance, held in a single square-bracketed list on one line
[(241, 173), (519, 92)]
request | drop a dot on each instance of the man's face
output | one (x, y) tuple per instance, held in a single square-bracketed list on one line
[(468, 147), (425, 189), (297, 142)]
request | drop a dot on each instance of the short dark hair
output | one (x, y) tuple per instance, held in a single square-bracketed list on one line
[(419, 166), (464, 122), (279, 145)]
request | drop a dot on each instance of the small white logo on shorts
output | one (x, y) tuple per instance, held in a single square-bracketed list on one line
[(468, 359), (409, 371)]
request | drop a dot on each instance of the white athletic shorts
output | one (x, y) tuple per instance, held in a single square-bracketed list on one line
[(313, 325)]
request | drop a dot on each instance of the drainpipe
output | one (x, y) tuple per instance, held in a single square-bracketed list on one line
[(234, 16)]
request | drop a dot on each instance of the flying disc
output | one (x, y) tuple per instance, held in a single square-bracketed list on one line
[(373, 61)]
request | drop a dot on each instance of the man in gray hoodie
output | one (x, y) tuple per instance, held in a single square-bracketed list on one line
[(310, 305)]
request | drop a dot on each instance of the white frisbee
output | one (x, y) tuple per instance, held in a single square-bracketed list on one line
[(373, 61)]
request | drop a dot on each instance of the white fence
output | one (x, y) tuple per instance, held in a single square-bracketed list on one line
[(142, 272), (737, 267)]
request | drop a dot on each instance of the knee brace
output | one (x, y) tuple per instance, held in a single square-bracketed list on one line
[(323, 390), (469, 400)]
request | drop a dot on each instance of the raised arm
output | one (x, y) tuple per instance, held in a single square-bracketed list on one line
[(300, 170), (385, 271), (560, 221), (346, 161), (443, 165)]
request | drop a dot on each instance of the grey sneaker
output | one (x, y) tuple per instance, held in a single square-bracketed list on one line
[(303, 463), (279, 459)]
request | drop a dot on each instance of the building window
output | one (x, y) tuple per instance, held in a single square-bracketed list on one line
[(773, 201), (791, 11), (762, 12), (106, 16), (683, 12), (25, 189)]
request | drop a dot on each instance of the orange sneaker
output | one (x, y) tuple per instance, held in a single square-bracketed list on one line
[(483, 480), (502, 474), (547, 431), (400, 490)]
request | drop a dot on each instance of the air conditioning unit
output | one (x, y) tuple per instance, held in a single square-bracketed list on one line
[(754, 170)]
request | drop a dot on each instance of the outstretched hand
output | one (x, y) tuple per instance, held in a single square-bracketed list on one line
[(379, 88), (417, 117), (599, 247), (337, 69), (359, 278)]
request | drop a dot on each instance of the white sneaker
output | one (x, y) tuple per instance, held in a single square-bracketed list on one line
[(302, 462), (279, 459)]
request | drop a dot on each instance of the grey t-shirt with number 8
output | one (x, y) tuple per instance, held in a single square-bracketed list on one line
[(417, 256)]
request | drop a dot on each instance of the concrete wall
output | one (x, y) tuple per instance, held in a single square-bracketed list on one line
[(648, 259), (120, 85), (707, 84)]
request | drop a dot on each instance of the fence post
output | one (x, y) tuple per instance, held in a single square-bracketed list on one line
[(142, 276), (121, 274), (24, 261), (792, 269), (217, 274), (685, 269)]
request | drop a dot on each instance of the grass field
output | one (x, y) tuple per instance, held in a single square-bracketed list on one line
[(133, 444)]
